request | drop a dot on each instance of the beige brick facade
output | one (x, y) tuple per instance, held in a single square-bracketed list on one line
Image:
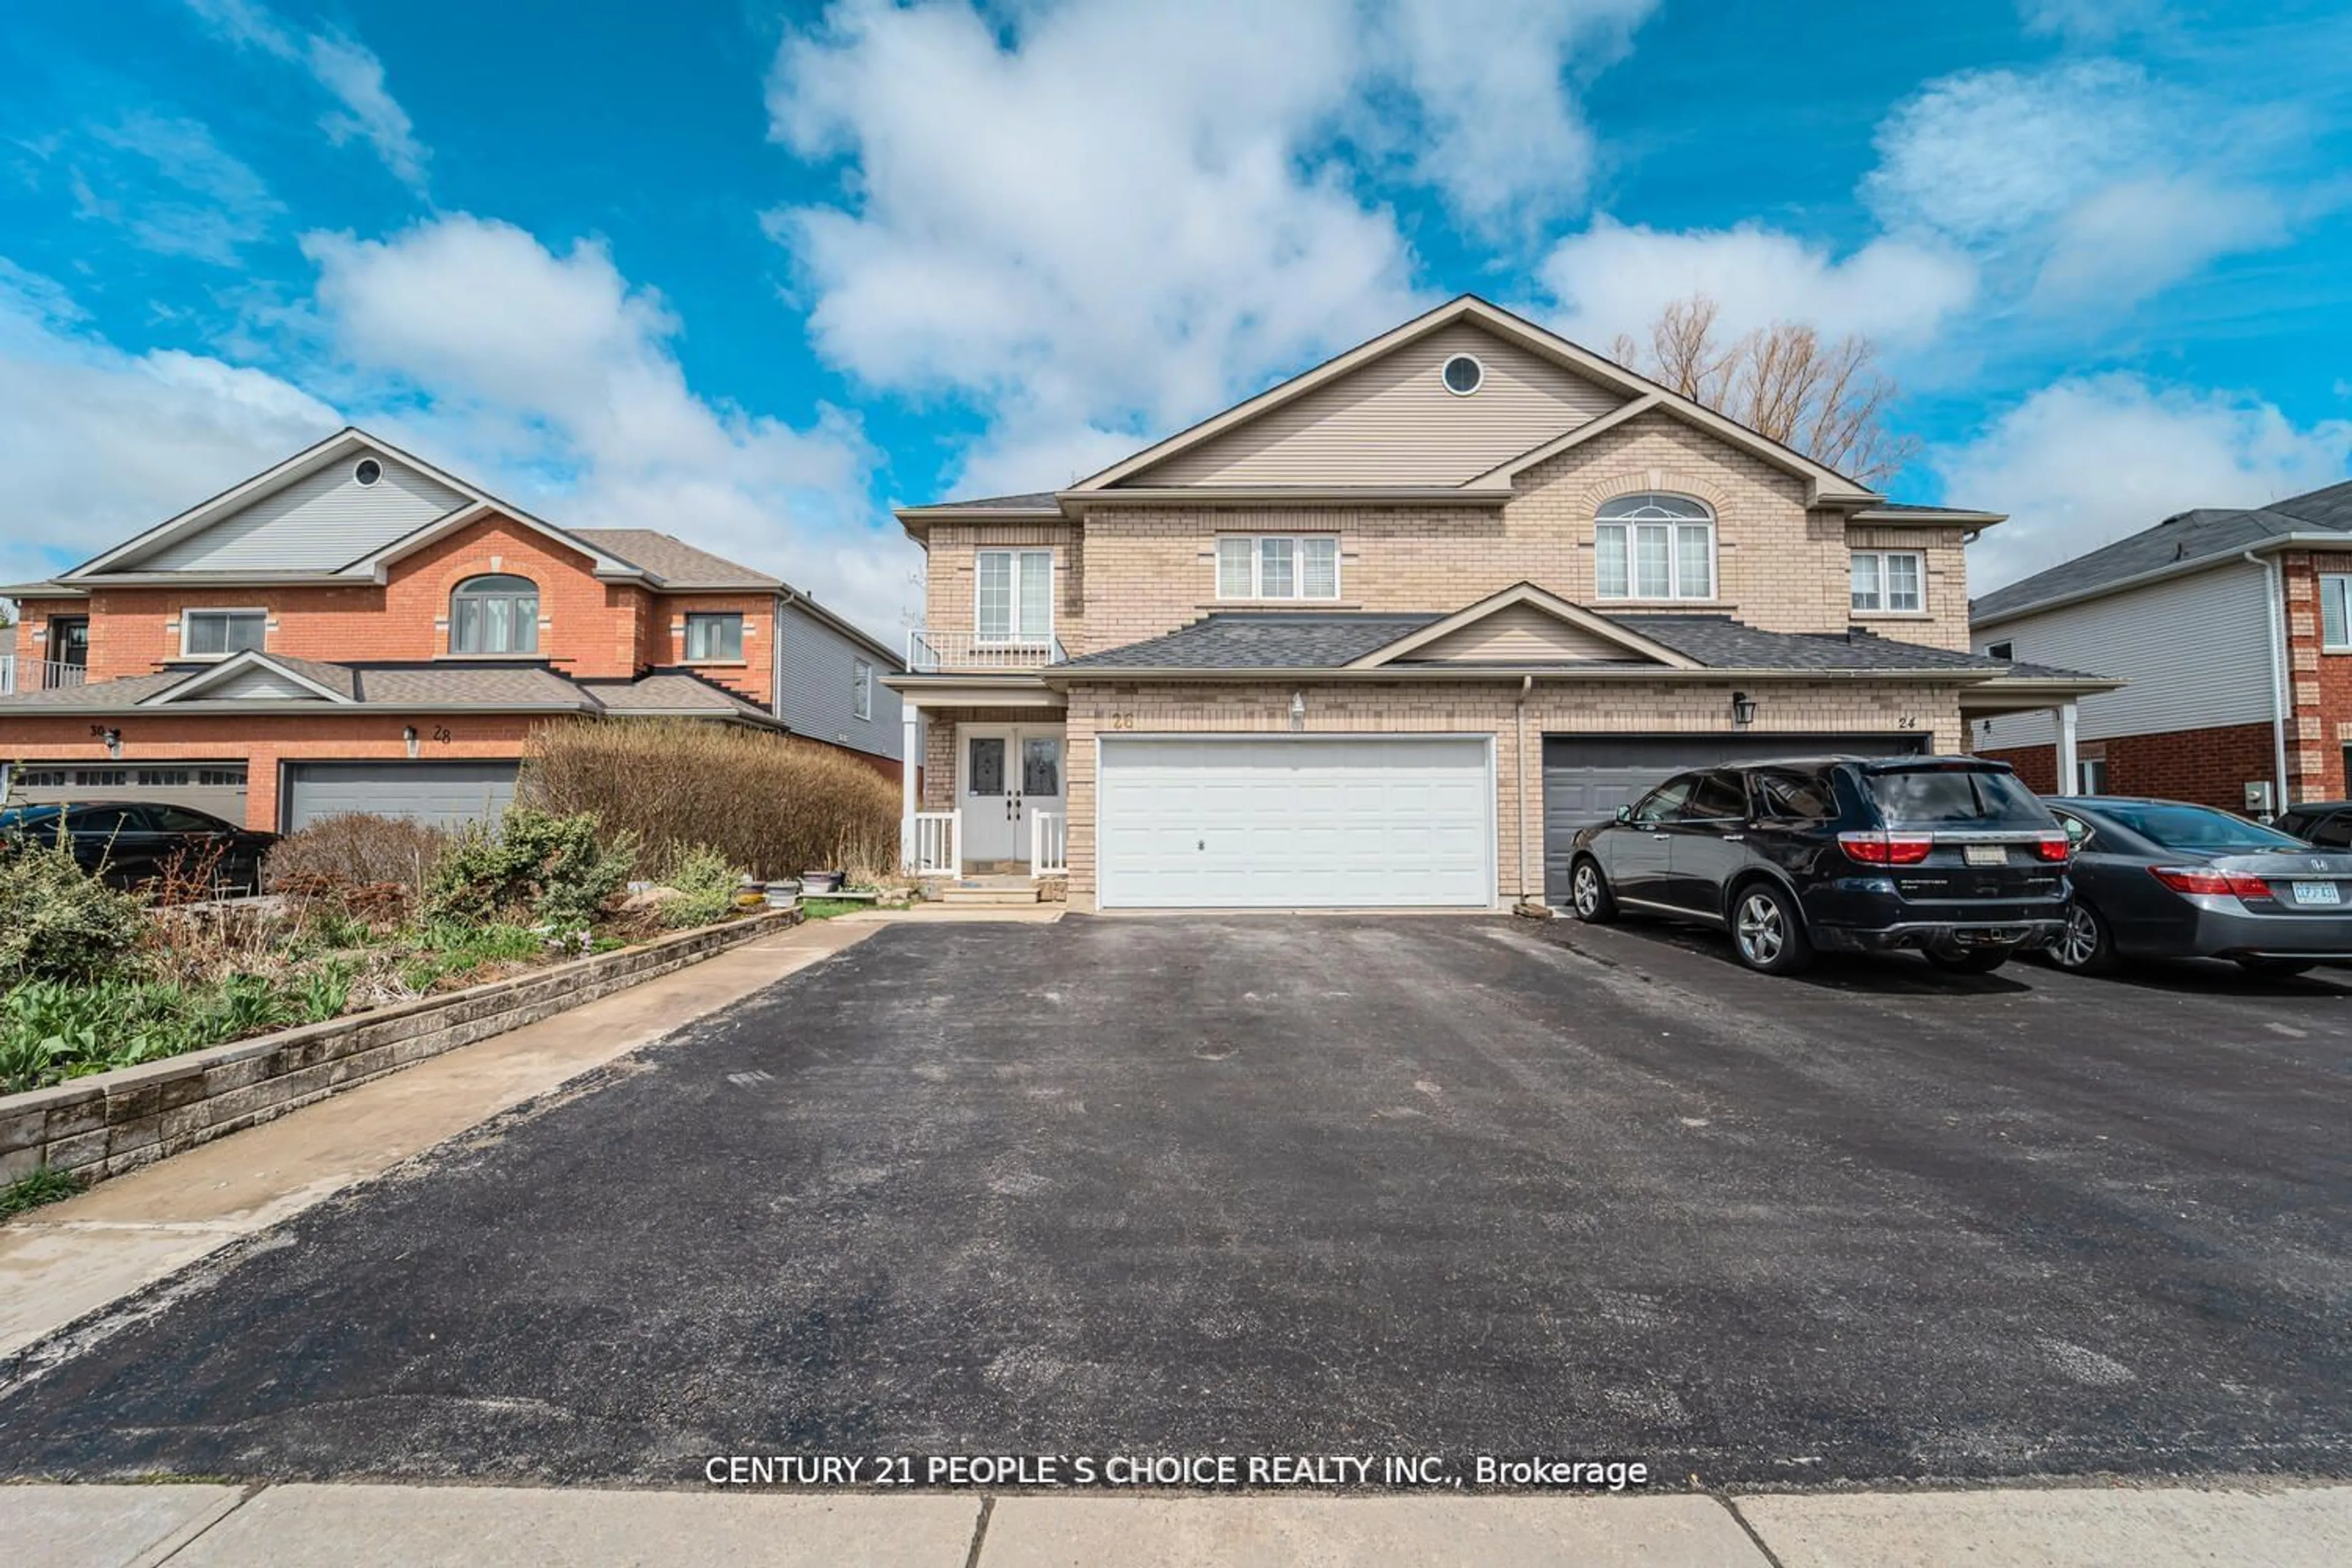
[(1134, 571), (1486, 708)]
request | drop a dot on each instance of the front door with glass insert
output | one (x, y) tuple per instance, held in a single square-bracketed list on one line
[(1008, 776)]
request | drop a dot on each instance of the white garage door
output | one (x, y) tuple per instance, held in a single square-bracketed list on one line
[(1303, 822)]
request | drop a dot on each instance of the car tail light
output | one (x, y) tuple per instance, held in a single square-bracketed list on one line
[(2053, 846), (2205, 880), (1886, 848)]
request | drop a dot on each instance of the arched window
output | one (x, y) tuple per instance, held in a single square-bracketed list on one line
[(1653, 546), (494, 614)]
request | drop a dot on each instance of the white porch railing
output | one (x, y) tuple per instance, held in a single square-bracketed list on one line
[(1049, 844), (39, 674), (928, 652), (936, 833)]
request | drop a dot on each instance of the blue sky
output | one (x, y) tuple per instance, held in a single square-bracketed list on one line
[(753, 274)]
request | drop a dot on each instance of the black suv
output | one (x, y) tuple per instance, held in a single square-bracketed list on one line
[(1949, 855), (2327, 823)]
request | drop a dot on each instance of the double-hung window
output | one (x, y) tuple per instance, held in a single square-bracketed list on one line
[(1015, 595), (2335, 612), (1652, 546), (217, 634), (714, 638), (1887, 579), (1279, 566), (495, 613), (861, 688)]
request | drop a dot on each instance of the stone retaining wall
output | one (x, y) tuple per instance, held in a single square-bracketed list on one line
[(110, 1122)]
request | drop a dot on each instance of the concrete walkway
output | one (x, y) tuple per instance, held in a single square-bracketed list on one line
[(69, 1259), (395, 1527)]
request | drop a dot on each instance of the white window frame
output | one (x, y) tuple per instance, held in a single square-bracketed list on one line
[(188, 618), (1256, 543), (742, 630), (1629, 529), (1013, 636), (2084, 783), (2336, 587), (1883, 593), (861, 688)]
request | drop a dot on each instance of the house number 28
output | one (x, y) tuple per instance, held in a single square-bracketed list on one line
[(440, 732), (1122, 721)]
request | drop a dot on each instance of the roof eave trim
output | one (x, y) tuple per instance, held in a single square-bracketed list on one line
[(604, 565), (1293, 495), (1062, 675), (1562, 610), (1943, 517), (238, 664), (2187, 568)]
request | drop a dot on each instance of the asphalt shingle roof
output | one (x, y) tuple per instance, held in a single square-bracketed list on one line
[(670, 693), (2207, 531), (1253, 640), (491, 688), (1257, 640), (672, 559), (1035, 501)]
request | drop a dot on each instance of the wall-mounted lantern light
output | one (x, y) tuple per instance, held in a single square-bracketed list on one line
[(1743, 709), (408, 739)]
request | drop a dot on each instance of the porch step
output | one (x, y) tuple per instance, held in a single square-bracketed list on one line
[(1025, 892)]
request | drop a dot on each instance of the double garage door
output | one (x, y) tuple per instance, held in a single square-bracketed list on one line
[(215, 788), (442, 794), (1588, 777), (1295, 822)]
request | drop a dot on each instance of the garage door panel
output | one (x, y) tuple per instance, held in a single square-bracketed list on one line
[(1264, 822), (1587, 777), (442, 794)]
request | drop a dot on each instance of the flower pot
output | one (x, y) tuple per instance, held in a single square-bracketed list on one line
[(822, 881)]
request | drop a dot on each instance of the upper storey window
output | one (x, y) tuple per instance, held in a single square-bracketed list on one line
[(1888, 580), (494, 614), (1653, 546), (1015, 595), (1277, 566)]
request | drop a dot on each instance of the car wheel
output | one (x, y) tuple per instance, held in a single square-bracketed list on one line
[(1589, 894), (1968, 960), (2278, 965), (2085, 946), (1767, 932)]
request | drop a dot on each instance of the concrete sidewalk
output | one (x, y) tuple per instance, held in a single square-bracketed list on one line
[(395, 1527), (61, 1261)]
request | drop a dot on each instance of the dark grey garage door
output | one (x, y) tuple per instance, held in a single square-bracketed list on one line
[(1587, 777), (440, 793)]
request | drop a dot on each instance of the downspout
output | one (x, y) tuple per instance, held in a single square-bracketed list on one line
[(2274, 588), (1519, 722)]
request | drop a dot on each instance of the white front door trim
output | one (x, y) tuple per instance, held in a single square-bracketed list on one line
[(998, 827)]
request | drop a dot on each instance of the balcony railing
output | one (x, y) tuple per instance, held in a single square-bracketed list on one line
[(37, 674), (930, 652)]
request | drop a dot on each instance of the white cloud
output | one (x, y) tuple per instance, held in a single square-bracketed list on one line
[(98, 444), (1100, 222), (2084, 182), (2087, 460), (345, 68), (2090, 22), (1614, 278), (169, 186), (549, 376)]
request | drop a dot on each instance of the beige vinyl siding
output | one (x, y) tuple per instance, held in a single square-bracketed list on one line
[(320, 522), (1519, 635), (258, 684), (1393, 422), (2196, 650)]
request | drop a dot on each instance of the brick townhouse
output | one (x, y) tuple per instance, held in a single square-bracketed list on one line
[(357, 629)]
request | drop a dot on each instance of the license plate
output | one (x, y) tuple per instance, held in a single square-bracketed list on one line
[(1984, 855), (2317, 893)]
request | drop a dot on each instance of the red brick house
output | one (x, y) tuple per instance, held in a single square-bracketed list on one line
[(357, 629), (2233, 630)]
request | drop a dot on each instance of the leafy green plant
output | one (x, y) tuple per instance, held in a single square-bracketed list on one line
[(449, 948), (58, 922), (41, 1184), (705, 880), (246, 1004), (553, 870), (324, 993)]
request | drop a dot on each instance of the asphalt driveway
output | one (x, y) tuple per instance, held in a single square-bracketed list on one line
[(1318, 1185)]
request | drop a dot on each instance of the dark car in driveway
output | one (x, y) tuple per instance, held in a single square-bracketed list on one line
[(2162, 878), (132, 844), (2327, 823), (1951, 855)]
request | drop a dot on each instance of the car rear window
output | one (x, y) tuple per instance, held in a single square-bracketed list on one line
[(2199, 827), (1976, 798)]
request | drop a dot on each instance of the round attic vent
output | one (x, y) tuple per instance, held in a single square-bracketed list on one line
[(1463, 374), (368, 471)]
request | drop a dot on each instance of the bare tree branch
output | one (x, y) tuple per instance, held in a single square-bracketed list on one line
[(1826, 401)]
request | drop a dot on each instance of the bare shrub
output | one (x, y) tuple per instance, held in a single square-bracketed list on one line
[(771, 804), (356, 859)]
